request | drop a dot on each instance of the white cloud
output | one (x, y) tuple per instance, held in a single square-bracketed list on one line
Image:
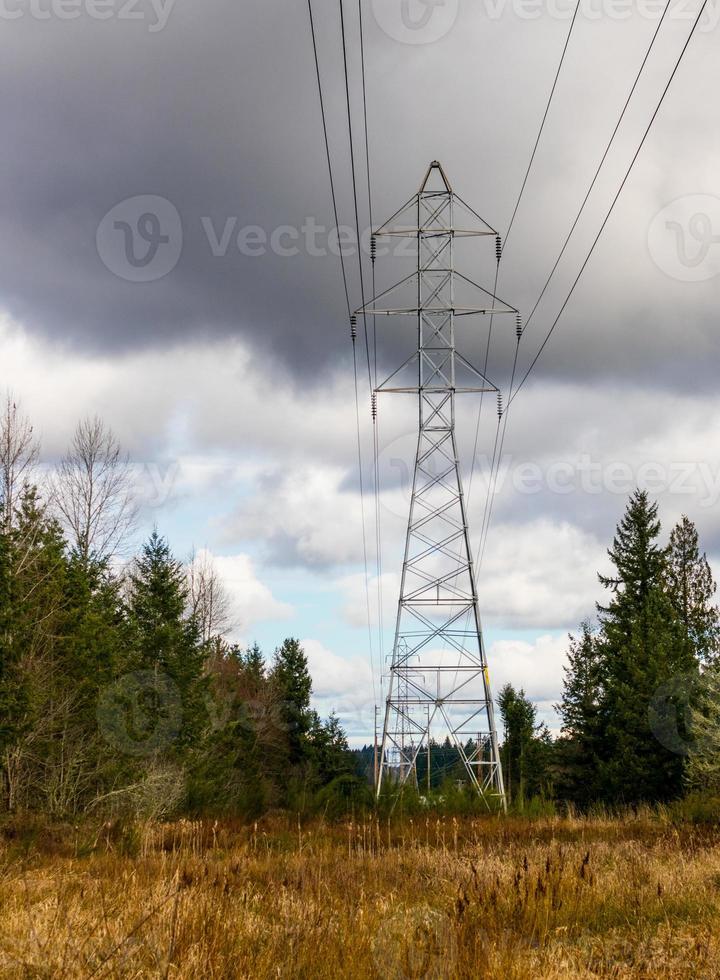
[(343, 685), (355, 608), (535, 667), (338, 677), (303, 516), (186, 397), (250, 600), (541, 574)]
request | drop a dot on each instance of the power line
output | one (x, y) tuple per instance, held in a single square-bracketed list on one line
[(362, 515), (601, 164), (495, 468), (614, 201), (327, 152), (367, 169), (349, 309), (544, 120), (354, 184), (513, 395), (376, 434), (485, 370), (502, 245), (487, 508)]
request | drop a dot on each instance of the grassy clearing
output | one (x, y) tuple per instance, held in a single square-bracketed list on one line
[(499, 898)]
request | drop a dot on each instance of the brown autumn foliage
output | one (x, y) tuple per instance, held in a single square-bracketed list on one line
[(636, 897)]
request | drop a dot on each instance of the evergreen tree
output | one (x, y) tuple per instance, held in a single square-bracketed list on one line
[(240, 765), (518, 717), (703, 766), (328, 749), (641, 649), (541, 778), (691, 589), (228, 772), (13, 696), (111, 694), (640, 564), (166, 640), (580, 711), (93, 642), (254, 665), (292, 683), (35, 574), (89, 649)]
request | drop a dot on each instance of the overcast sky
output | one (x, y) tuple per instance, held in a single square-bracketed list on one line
[(167, 261)]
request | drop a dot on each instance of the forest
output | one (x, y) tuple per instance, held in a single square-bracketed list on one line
[(120, 696)]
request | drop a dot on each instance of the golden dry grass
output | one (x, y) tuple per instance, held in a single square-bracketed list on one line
[(502, 899)]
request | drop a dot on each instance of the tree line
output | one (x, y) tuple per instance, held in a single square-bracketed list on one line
[(641, 691), (119, 693)]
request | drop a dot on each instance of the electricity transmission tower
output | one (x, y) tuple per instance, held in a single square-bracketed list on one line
[(439, 675)]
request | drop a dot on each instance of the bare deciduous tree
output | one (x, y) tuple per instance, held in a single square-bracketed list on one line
[(18, 456), (93, 491), (209, 601)]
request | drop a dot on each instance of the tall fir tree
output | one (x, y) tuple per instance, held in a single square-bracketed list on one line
[(641, 649), (518, 718), (13, 695), (36, 580), (328, 749), (254, 666), (292, 683), (94, 638), (703, 765), (93, 669), (691, 589), (580, 710), (166, 639)]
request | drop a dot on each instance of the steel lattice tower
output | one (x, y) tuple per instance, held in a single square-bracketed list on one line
[(439, 674)]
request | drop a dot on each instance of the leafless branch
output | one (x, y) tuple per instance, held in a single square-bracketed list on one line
[(209, 601), (93, 491), (18, 456)]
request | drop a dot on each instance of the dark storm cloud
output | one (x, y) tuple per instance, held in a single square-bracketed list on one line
[(217, 113)]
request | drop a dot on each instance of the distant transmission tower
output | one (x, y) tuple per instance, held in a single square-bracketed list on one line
[(439, 678)]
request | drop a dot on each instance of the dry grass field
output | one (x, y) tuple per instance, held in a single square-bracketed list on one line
[(502, 899)]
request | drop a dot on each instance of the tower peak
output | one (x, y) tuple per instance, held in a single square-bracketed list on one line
[(435, 180)]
